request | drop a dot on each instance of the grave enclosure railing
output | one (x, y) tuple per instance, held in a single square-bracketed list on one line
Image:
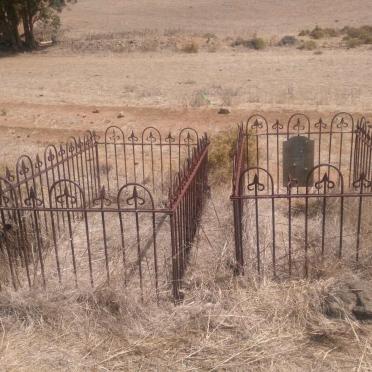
[(301, 194), (120, 209)]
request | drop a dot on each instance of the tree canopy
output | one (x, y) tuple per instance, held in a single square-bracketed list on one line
[(18, 17)]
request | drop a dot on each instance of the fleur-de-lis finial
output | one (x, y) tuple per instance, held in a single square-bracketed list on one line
[(151, 138), (320, 124), (24, 169), (256, 185), (66, 197), (135, 199), (38, 163), (169, 138), (132, 138), (8, 175), (33, 200), (277, 125), (51, 156), (362, 182), (325, 183), (102, 199)]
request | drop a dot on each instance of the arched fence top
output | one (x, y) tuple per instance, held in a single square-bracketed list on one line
[(186, 136), (342, 122), (135, 196), (147, 136), (151, 135), (325, 181), (298, 124), (256, 181), (24, 167), (66, 193), (114, 134), (257, 124)]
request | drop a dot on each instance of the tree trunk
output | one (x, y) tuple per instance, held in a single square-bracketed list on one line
[(10, 23), (28, 26)]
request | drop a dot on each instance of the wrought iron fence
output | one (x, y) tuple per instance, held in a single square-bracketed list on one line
[(124, 209), (292, 224)]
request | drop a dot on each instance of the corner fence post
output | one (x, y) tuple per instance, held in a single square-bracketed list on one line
[(175, 259)]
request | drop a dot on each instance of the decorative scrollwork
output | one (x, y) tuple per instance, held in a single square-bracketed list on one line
[(325, 183), (23, 169), (153, 135), (4, 200), (114, 137), (8, 175), (189, 139), (51, 156), (256, 123), (66, 197), (277, 125), (132, 138), (320, 124), (102, 199), (135, 199), (362, 182), (342, 124), (298, 123), (71, 145), (343, 120), (169, 138), (256, 185), (113, 134), (38, 164), (80, 145), (61, 151), (32, 200), (134, 195)]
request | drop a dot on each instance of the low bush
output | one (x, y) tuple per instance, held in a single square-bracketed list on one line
[(288, 40), (308, 45), (221, 155), (256, 43), (191, 47)]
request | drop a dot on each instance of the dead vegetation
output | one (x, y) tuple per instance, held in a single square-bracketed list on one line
[(225, 323)]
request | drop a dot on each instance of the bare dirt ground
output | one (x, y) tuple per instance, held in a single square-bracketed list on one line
[(48, 95)]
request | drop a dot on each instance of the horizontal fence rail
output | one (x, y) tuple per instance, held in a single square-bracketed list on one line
[(94, 212), (284, 228)]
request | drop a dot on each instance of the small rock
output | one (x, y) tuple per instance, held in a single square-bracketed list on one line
[(95, 111), (120, 115), (224, 111)]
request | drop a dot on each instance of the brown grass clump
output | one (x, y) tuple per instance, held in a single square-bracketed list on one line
[(256, 43), (308, 45), (191, 47)]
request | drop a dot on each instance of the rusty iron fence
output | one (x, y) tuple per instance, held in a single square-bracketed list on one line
[(123, 209), (285, 226)]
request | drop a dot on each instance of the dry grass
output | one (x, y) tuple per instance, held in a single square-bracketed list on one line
[(224, 324)]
